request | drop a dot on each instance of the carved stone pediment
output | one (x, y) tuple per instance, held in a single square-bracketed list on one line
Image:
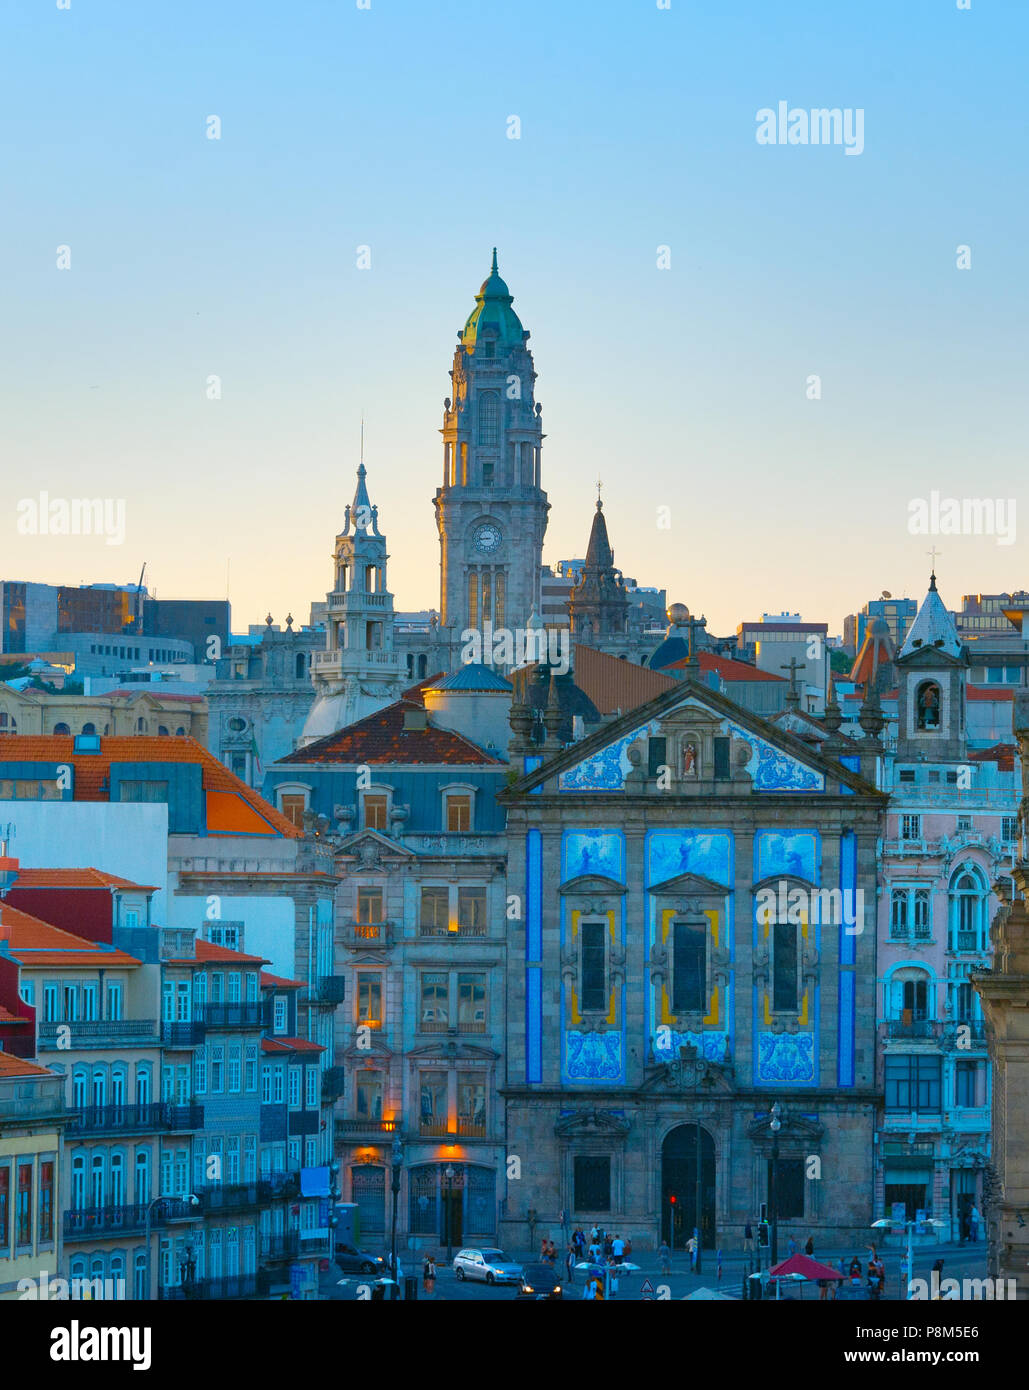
[(367, 849), (592, 886), (690, 886), (585, 1124), (378, 1051), (796, 1129), (691, 1075), (450, 1049)]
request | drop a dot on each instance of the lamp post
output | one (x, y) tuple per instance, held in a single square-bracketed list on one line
[(398, 1158), (194, 1201), (699, 1232), (448, 1173), (775, 1124), (188, 1270)]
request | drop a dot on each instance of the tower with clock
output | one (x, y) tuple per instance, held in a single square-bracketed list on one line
[(491, 510)]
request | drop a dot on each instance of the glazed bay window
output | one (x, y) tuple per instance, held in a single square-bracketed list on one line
[(433, 1112), (471, 911), (471, 1002), (435, 1002), (368, 1095), (689, 968), (369, 998), (435, 910), (593, 993), (471, 1104)]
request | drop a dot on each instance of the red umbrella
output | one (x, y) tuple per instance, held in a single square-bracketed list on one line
[(806, 1266)]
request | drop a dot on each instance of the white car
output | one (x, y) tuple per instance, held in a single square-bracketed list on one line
[(491, 1264)]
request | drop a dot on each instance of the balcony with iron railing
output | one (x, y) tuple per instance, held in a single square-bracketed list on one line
[(470, 1026), (119, 1119), (329, 990), (912, 1029), (465, 1127), (354, 1129), (235, 1015), (99, 1032), (280, 1184), (456, 931), (333, 1082), (229, 1286), (283, 1246), (87, 1223), (357, 936), (188, 1034), (231, 1197)]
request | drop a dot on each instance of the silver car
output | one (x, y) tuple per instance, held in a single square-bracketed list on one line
[(489, 1264)]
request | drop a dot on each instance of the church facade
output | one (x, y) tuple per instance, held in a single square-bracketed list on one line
[(691, 947)]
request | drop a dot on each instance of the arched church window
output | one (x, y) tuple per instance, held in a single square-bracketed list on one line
[(489, 418), (422, 666), (300, 665), (61, 729), (927, 705)]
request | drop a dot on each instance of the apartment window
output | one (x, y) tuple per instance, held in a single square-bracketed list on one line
[(433, 1088), (293, 1149), (249, 1157), (200, 1071), (1009, 829), (235, 1068), (251, 1068), (292, 805), (369, 998), (46, 1202), (279, 1083), (689, 967), (89, 994), (115, 998), (471, 1104), (592, 1183), (593, 994), (71, 1003), (471, 1002), (232, 1159), (434, 911), (375, 809), (311, 1088), (964, 824), (785, 968), (142, 790), (294, 1088), (235, 982), (906, 774), (435, 1013), (23, 1205), (471, 911), (969, 1084), (217, 1068), (923, 912), (280, 1014), (144, 1083), (899, 912), (912, 1082), (51, 1007), (911, 827), (368, 1095), (964, 1002), (934, 775), (266, 1084), (369, 905), (5, 1208), (459, 813)]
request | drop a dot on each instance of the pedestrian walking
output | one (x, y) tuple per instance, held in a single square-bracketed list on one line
[(691, 1246), (612, 1279), (570, 1264), (973, 1224), (809, 1248), (718, 1262), (792, 1247), (428, 1275), (618, 1250), (665, 1256), (748, 1237)]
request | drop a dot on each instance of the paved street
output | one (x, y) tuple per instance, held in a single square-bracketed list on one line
[(959, 1262)]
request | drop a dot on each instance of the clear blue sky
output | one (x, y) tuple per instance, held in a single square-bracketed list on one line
[(683, 388)]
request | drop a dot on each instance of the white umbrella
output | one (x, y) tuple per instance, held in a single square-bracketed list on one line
[(708, 1295)]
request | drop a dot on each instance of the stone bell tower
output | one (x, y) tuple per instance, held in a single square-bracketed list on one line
[(491, 510)]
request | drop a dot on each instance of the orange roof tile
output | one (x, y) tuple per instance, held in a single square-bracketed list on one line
[(979, 692), (11, 1066), (612, 684), (33, 942), (92, 773), (290, 1045), (277, 982), (208, 951), (76, 878), (7, 1017)]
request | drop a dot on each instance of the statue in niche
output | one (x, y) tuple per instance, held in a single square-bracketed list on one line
[(928, 706), (689, 760)]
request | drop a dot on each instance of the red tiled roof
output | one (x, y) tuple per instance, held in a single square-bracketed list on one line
[(92, 774), (612, 684), (208, 951), (290, 1045), (415, 692), (130, 692), (980, 692), (382, 738), (11, 1066), (277, 982), (33, 942), (726, 667), (76, 878), (1003, 754)]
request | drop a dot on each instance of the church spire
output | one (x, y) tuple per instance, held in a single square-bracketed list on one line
[(598, 606)]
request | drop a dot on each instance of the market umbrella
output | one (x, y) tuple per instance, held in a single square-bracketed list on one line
[(806, 1268), (708, 1296)]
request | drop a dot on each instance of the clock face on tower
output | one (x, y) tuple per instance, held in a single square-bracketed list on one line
[(487, 538)]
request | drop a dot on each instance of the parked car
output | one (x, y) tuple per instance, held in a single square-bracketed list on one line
[(354, 1261), (489, 1264), (540, 1281)]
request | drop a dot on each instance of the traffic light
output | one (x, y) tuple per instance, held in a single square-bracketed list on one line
[(673, 1199), (762, 1233)]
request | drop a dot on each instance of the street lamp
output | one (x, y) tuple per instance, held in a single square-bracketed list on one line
[(698, 1233), (775, 1124), (448, 1173), (193, 1200), (398, 1158)]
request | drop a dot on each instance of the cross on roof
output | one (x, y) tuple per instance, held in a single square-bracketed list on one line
[(934, 554)]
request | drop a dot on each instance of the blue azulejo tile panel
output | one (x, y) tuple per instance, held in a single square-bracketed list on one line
[(853, 923), (710, 1044), (533, 895), (593, 1056), (787, 852), (673, 852), (603, 771), (787, 1058), (533, 1024), (845, 1064), (530, 764), (593, 852), (772, 770)]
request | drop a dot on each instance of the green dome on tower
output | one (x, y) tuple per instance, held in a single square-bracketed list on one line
[(493, 309)]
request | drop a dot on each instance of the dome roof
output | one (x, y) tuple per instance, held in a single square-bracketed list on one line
[(474, 675), (493, 310), (673, 648)]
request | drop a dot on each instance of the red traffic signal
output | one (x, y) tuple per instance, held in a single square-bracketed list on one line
[(673, 1199)]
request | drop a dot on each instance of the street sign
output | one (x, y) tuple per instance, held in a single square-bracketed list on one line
[(647, 1291)]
